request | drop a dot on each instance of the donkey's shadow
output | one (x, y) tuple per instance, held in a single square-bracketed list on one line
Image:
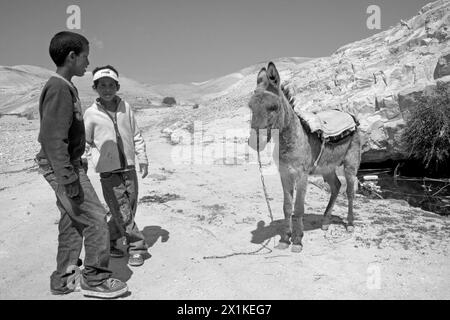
[(310, 222)]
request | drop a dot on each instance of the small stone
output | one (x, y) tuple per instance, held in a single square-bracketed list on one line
[(370, 177)]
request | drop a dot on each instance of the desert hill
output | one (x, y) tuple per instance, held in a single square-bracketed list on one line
[(20, 88), (201, 92)]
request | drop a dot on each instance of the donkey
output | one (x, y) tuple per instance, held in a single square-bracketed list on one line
[(298, 149)]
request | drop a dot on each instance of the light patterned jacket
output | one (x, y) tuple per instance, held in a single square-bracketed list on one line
[(103, 146)]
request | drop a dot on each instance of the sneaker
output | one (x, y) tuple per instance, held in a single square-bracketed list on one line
[(111, 288), (136, 260), (72, 282), (115, 252)]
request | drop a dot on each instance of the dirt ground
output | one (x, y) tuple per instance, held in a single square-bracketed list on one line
[(189, 212)]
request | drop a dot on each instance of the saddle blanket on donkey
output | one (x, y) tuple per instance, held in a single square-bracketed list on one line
[(330, 125)]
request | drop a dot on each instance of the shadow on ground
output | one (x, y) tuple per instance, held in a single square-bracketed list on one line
[(119, 266), (153, 233), (310, 222)]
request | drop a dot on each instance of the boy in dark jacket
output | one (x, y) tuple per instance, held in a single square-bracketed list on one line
[(62, 139)]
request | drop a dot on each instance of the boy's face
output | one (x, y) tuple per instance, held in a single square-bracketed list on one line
[(81, 62), (106, 88)]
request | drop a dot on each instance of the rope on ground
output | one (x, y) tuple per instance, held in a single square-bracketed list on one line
[(334, 240), (264, 245)]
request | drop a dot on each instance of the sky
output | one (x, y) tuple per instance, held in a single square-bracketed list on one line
[(182, 41)]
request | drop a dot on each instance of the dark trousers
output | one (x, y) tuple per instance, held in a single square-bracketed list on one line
[(83, 216), (120, 190)]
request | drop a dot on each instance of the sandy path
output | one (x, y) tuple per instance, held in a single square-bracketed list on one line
[(396, 252)]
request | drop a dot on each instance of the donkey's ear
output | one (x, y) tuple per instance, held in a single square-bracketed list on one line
[(262, 79), (272, 74)]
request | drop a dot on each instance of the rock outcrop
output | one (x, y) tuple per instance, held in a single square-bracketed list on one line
[(379, 78), (169, 101), (443, 67)]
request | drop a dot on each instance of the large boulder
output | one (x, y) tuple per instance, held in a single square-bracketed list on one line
[(169, 101), (442, 67)]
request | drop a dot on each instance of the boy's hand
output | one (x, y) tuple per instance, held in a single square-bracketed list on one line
[(72, 189), (143, 168)]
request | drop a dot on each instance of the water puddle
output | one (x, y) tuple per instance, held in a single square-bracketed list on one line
[(426, 193)]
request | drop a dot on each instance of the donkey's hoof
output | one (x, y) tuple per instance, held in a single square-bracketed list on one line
[(325, 227), (282, 245), (296, 248), (350, 229)]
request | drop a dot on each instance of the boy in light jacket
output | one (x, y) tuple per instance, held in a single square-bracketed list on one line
[(113, 140)]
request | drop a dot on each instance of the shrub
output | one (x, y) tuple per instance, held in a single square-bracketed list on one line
[(427, 133), (170, 101)]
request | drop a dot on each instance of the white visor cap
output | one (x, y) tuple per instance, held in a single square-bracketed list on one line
[(105, 73)]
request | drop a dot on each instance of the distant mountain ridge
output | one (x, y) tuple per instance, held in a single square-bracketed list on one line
[(20, 87), (213, 88)]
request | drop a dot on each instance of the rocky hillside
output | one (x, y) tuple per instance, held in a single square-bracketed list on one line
[(379, 78)]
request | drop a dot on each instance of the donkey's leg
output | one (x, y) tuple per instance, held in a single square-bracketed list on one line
[(351, 165), (287, 181), (350, 177), (335, 185), (299, 210)]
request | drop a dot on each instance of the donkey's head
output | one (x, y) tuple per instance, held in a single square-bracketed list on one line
[(267, 106)]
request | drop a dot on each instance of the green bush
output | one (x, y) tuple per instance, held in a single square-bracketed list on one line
[(427, 133)]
